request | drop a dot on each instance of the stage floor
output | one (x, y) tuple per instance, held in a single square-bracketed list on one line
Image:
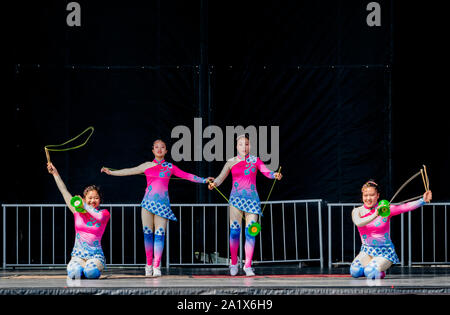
[(286, 280)]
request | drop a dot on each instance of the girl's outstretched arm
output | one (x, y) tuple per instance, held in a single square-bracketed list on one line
[(266, 172), (190, 177), (223, 174), (409, 206), (61, 186), (140, 169)]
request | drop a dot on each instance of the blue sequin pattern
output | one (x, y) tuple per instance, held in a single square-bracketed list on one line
[(387, 252), (84, 250)]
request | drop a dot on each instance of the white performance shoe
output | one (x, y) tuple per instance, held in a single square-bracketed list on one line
[(156, 272), (249, 271), (148, 271), (233, 270)]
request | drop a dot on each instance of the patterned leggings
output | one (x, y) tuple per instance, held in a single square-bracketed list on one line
[(154, 228), (371, 267), (78, 268), (235, 232)]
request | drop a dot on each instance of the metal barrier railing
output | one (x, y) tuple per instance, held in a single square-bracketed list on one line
[(418, 222), (433, 218), (38, 235)]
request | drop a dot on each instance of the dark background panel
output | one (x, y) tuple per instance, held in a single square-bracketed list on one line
[(111, 33), (286, 32), (363, 130), (359, 43), (333, 123), (419, 88), (129, 109)]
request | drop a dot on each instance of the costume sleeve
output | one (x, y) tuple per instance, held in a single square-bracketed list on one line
[(409, 206), (264, 170), (190, 177), (64, 192), (223, 174), (140, 169), (362, 221), (99, 215)]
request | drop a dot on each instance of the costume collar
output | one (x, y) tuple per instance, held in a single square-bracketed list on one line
[(158, 162), (243, 158), (372, 208)]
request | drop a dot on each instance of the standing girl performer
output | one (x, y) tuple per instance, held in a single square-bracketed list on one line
[(155, 204), (88, 259), (244, 197), (377, 250)]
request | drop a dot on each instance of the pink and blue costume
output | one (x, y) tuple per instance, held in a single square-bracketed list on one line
[(375, 233), (156, 200), (244, 197), (89, 228)]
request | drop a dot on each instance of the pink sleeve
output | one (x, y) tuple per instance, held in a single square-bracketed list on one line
[(398, 209), (264, 170), (190, 177), (99, 215)]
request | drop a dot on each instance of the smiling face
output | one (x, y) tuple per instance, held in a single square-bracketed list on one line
[(243, 146), (370, 196), (92, 198), (159, 149)]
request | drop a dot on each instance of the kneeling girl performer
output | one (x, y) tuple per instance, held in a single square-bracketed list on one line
[(88, 259), (377, 250), (244, 197), (155, 205)]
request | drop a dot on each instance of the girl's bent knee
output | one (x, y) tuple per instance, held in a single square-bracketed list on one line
[(356, 271)]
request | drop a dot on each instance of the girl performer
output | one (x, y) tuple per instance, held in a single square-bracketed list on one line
[(377, 250), (243, 197), (88, 259), (156, 205)]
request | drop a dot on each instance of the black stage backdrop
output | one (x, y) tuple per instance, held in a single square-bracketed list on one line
[(352, 101)]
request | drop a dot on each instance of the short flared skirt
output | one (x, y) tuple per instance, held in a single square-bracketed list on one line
[(160, 207), (249, 205), (387, 252)]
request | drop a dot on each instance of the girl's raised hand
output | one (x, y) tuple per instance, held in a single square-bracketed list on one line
[(105, 170), (427, 196), (211, 183), (51, 168)]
